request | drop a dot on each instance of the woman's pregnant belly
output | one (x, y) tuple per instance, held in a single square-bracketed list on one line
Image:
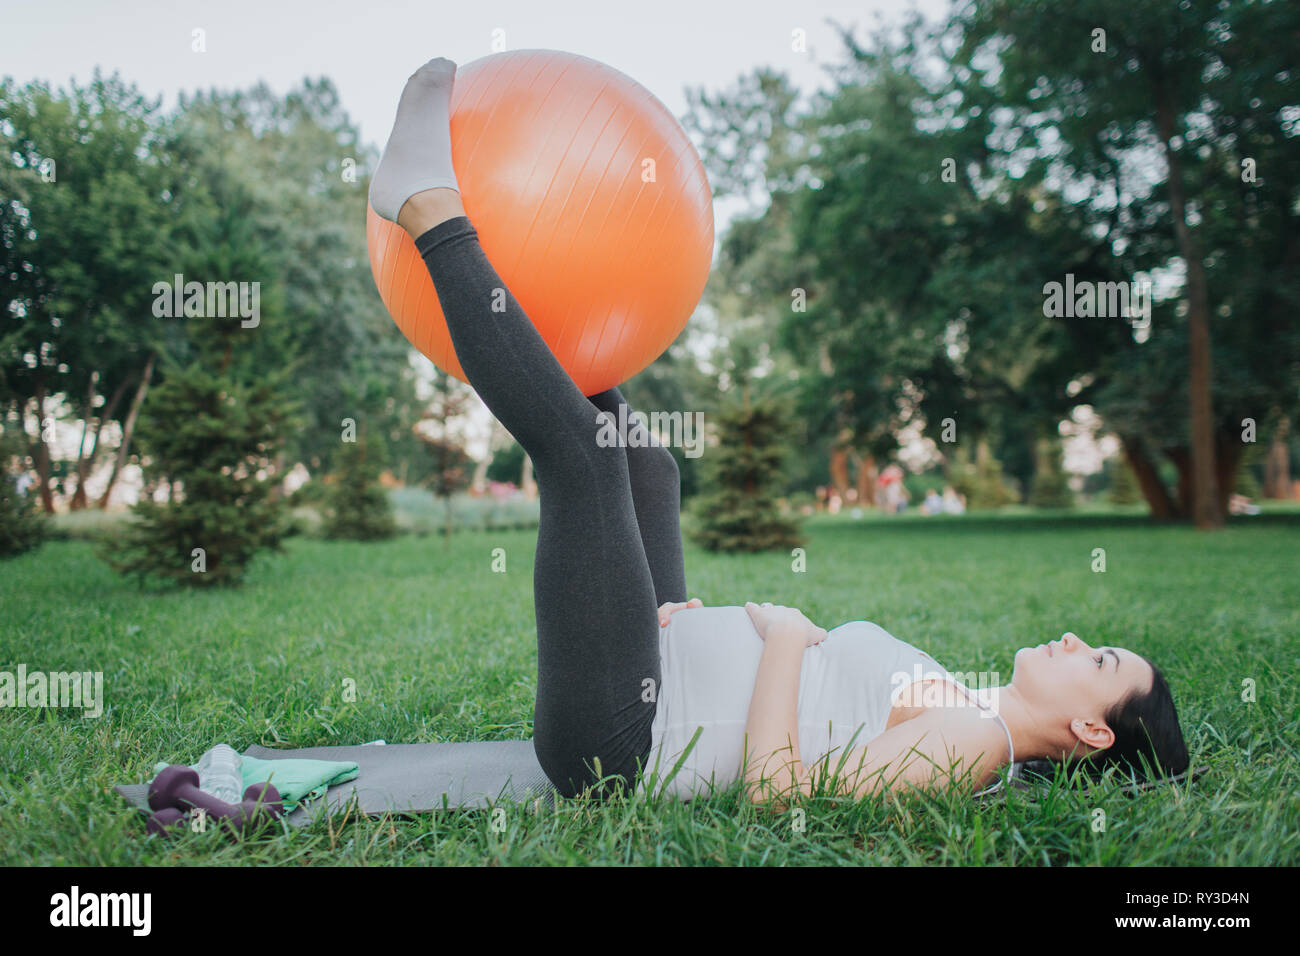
[(710, 659)]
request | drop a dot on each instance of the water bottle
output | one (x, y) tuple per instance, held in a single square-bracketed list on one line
[(220, 774)]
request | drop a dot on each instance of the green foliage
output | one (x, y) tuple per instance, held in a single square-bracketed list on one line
[(1051, 488), (310, 493), (86, 222), (922, 204), (981, 482), (507, 463), (1124, 488), (738, 510), (106, 195), (22, 526), (357, 506), (301, 161), (1247, 484), (211, 440)]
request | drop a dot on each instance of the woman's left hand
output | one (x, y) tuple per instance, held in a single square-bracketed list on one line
[(772, 619)]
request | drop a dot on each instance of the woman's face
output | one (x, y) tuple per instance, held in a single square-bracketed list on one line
[(1072, 685)]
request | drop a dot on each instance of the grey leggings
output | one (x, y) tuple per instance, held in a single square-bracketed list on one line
[(609, 547)]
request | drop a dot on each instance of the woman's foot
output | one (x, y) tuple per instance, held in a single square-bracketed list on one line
[(417, 159), (427, 209)]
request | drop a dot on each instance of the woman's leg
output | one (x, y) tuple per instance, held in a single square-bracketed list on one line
[(595, 601), (598, 668), (657, 495)]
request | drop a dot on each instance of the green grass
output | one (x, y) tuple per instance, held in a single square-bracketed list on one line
[(442, 648)]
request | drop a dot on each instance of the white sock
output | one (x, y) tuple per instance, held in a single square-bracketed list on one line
[(418, 154)]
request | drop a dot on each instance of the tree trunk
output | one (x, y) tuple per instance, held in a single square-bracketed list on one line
[(43, 450), (840, 472), (1148, 478), (1277, 466), (1227, 458), (88, 409), (128, 429), (867, 475), (105, 416), (1205, 497)]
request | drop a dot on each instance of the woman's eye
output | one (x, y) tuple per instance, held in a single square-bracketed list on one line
[(1099, 659)]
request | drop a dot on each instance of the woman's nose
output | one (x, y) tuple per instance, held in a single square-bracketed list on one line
[(1068, 641)]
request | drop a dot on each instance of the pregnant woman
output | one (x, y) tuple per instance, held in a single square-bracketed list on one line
[(630, 676)]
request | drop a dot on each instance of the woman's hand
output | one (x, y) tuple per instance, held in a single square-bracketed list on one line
[(672, 607), (772, 619)]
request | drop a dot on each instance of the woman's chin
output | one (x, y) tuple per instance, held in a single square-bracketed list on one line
[(1017, 661)]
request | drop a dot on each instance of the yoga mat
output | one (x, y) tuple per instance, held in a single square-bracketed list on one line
[(418, 778), (412, 778)]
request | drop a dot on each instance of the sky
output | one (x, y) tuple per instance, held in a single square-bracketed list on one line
[(369, 47)]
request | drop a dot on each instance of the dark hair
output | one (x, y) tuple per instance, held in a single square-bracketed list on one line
[(1148, 740)]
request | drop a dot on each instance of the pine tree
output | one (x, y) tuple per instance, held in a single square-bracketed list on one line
[(1124, 488), (982, 483), (1051, 487), (212, 441), (739, 510), (22, 526), (357, 506)]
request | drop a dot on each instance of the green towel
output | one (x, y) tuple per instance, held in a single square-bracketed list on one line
[(297, 780)]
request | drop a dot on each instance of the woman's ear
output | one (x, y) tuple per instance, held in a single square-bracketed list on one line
[(1093, 734)]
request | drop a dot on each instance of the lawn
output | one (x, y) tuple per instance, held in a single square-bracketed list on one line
[(441, 647)]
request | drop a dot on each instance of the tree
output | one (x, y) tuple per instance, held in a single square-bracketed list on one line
[(303, 163), (1190, 96), (22, 527), (738, 510), (445, 443), (507, 463), (982, 482), (357, 506), (1123, 485), (1051, 487), (212, 441), (90, 196)]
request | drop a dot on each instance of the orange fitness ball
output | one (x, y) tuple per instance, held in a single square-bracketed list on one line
[(589, 200)]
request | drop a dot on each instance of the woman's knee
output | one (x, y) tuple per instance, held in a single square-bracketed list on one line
[(655, 465), (572, 775), (575, 759)]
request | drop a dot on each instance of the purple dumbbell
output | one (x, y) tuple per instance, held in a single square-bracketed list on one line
[(177, 789), (166, 820)]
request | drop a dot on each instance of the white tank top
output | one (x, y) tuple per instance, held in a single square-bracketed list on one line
[(710, 655)]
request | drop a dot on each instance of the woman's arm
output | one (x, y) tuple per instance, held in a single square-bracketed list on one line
[(773, 767), (940, 748)]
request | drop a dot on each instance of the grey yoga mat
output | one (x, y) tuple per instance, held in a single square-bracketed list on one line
[(412, 778)]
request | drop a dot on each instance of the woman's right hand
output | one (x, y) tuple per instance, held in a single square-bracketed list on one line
[(672, 607)]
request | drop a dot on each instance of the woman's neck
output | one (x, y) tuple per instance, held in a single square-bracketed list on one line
[(1032, 736)]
